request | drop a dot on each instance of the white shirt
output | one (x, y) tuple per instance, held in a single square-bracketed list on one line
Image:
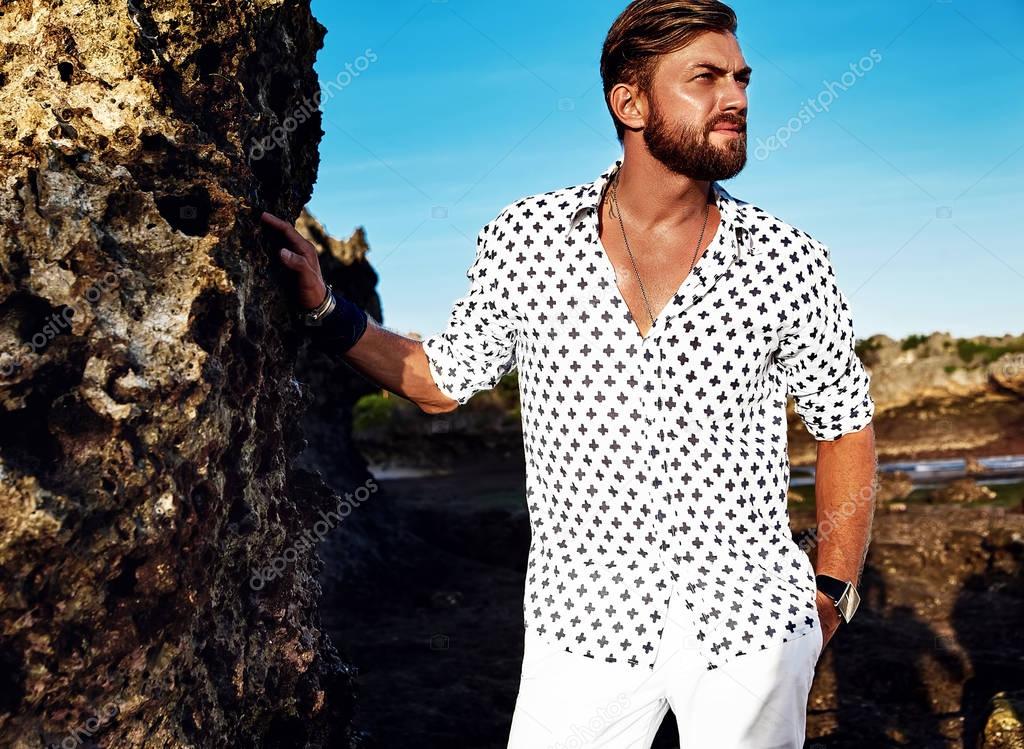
[(658, 464)]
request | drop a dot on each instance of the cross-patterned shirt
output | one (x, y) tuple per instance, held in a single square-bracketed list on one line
[(657, 465)]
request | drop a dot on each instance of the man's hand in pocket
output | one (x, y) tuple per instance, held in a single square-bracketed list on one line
[(828, 615)]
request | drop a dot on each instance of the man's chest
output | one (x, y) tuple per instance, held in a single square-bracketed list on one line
[(650, 267), (710, 352)]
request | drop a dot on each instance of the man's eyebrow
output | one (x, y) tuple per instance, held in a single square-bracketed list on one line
[(710, 66)]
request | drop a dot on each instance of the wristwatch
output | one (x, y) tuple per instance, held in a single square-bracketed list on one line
[(842, 593), (315, 316)]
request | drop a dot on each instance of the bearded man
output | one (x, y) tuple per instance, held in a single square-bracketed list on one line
[(658, 325)]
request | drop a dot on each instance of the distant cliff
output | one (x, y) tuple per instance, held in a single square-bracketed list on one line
[(940, 366), (940, 396), (371, 537)]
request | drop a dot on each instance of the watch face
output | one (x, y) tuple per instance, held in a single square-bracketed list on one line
[(848, 603)]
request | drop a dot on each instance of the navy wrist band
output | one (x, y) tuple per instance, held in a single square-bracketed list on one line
[(341, 329)]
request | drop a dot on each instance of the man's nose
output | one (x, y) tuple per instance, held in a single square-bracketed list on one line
[(734, 98)]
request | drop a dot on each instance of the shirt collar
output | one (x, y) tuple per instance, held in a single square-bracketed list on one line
[(732, 210)]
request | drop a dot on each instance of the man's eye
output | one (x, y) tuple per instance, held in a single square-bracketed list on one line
[(704, 75)]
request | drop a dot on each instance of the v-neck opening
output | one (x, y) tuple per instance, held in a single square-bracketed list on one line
[(602, 250)]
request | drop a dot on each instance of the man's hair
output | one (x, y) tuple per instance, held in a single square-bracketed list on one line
[(647, 29)]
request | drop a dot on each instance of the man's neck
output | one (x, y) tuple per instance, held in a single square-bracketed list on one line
[(658, 200)]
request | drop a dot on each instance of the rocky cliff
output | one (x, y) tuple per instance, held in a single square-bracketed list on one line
[(938, 396), (372, 537), (941, 366), (148, 398)]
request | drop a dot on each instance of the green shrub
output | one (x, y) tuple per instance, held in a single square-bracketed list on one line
[(373, 412), (982, 353), (913, 341), (868, 344)]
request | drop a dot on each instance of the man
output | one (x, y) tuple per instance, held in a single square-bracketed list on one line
[(657, 324)]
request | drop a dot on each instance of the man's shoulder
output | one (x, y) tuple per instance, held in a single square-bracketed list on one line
[(768, 231), (553, 205)]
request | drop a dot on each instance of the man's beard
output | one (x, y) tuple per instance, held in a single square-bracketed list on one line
[(688, 151)]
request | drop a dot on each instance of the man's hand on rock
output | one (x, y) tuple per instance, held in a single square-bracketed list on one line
[(299, 256)]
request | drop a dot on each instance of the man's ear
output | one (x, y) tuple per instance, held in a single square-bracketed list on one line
[(628, 104)]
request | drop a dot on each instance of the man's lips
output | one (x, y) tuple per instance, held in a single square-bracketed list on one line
[(728, 127)]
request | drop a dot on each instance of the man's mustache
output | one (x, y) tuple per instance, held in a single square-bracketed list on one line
[(739, 122)]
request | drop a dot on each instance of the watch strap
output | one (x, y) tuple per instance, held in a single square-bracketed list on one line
[(833, 587)]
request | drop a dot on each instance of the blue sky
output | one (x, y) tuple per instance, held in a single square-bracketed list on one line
[(446, 111)]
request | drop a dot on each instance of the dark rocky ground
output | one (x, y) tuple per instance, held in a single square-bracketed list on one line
[(434, 625)]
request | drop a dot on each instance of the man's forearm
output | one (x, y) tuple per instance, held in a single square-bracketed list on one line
[(845, 499), (398, 364)]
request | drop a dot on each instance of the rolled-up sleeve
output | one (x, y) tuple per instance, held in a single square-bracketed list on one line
[(828, 381), (477, 346)]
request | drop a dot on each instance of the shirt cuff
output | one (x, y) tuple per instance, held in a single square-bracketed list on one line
[(437, 360), (843, 407)]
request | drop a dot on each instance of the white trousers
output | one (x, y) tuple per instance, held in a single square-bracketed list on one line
[(755, 701)]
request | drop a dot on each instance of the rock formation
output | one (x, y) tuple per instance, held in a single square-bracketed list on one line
[(371, 538), (894, 486), (964, 490), (148, 403), (941, 366), (1004, 728), (937, 396)]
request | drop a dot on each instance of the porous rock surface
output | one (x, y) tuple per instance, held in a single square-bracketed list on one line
[(148, 404)]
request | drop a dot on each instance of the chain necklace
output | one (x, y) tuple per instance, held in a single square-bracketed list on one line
[(617, 213)]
